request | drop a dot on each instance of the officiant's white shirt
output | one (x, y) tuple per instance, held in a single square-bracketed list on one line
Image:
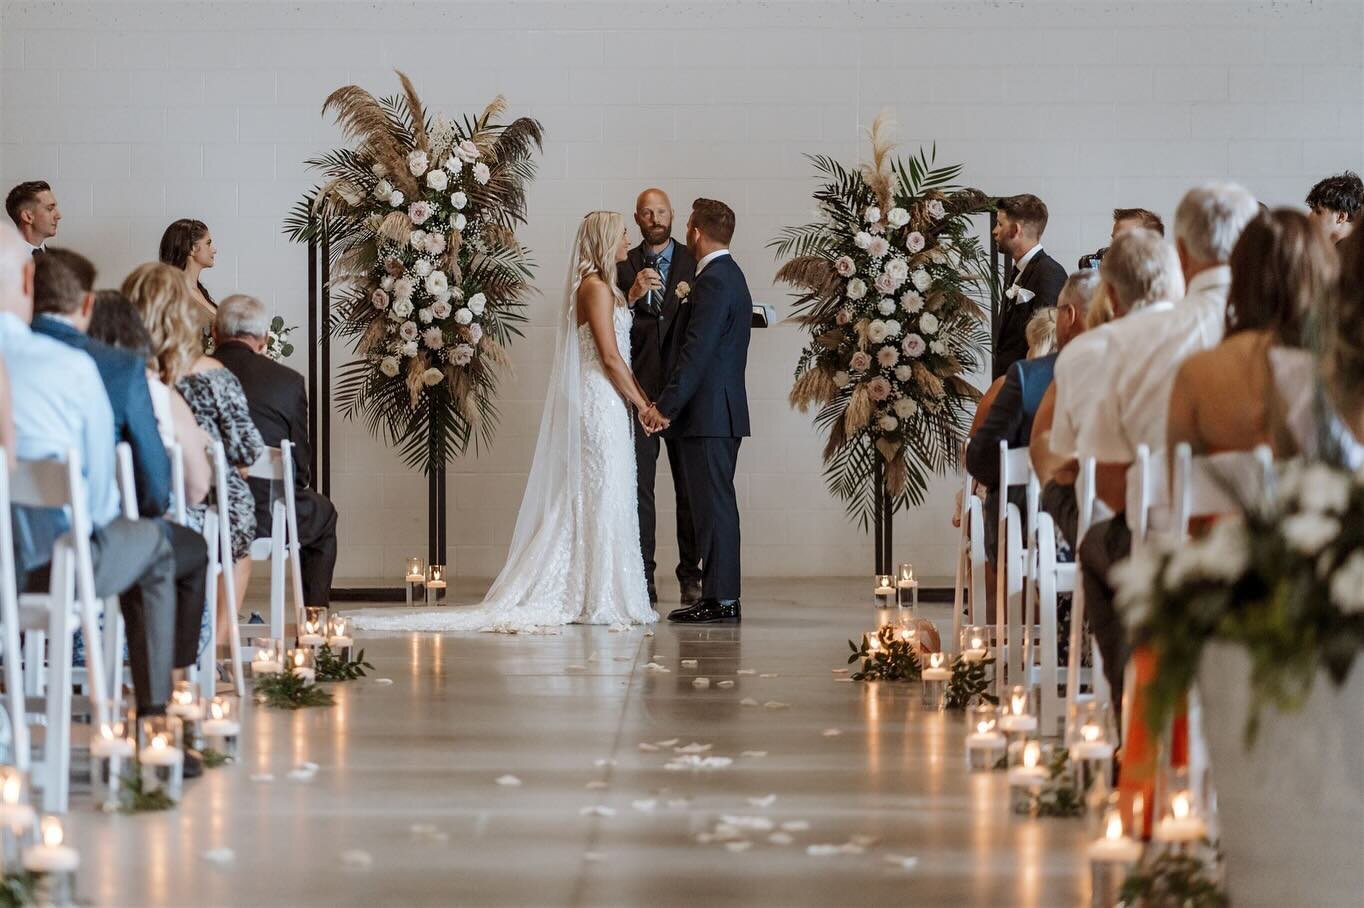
[(701, 265)]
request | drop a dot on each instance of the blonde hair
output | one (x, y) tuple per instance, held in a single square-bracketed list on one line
[(1041, 332), (594, 249), (1100, 309), (161, 294)]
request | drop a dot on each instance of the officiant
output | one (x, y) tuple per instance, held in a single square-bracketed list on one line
[(649, 277)]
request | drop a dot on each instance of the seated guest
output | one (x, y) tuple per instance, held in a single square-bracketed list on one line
[(278, 401), (63, 299), (6, 417), (1020, 221), (1245, 391), (1336, 203), (33, 209), (114, 321), (162, 295), (59, 403), (1125, 219), (1144, 351)]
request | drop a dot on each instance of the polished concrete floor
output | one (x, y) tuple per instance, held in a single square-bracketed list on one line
[(838, 793)]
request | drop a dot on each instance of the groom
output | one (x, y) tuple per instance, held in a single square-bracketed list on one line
[(705, 407)]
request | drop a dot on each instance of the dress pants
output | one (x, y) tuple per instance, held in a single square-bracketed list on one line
[(191, 571), (1058, 500), (709, 465), (1106, 543), (316, 535), (646, 461)]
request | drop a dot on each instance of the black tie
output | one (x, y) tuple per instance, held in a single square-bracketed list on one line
[(38, 250)]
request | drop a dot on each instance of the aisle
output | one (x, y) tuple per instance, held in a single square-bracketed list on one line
[(408, 776)]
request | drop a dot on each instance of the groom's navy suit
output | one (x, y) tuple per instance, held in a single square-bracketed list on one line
[(707, 406)]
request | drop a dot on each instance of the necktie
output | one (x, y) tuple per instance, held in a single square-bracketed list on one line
[(38, 250)]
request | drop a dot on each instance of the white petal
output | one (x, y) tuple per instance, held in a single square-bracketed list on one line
[(693, 748), (220, 856), (671, 742), (747, 671), (262, 777), (596, 785), (780, 838), (689, 663), (748, 701), (355, 859), (776, 704), (903, 862), (795, 826), (598, 810), (832, 732), (603, 761), (644, 806), (740, 846), (754, 754), (647, 747), (508, 781), (769, 675), (840, 671), (765, 801), (700, 683), (724, 684), (383, 680)]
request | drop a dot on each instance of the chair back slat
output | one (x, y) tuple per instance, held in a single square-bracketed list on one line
[(1217, 484), (269, 465), (179, 508), (127, 485), (39, 484)]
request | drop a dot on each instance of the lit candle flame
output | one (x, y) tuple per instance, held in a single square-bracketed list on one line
[(11, 790), (977, 643), (52, 832), (1091, 732), (106, 732), (1032, 752), (1179, 805), (159, 742), (1020, 704), (298, 658), (1113, 831), (984, 725), (216, 710), (906, 634), (935, 660)]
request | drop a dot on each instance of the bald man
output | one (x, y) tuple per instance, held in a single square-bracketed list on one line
[(649, 277)]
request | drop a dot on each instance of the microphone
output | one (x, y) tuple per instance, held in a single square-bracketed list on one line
[(651, 299)]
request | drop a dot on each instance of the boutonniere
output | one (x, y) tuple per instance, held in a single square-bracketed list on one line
[(682, 291), (1022, 294)]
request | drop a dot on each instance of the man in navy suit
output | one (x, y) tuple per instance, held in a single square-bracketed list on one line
[(64, 298), (1020, 221), (705, 405)]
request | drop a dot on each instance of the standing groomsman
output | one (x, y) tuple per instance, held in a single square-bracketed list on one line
[(649, 277), (1019, 223)]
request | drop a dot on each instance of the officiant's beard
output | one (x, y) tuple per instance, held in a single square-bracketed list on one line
[(657, 235)]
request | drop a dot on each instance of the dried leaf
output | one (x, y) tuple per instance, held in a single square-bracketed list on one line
[(363, 118), (925, 379), (859, 411), (811, 272), (877, 173), (815, 386), (415, 112)]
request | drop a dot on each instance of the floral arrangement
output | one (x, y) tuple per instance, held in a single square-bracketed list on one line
[(886, 279), (891, 659), (429, 278), (277, 346), (1285, 580)]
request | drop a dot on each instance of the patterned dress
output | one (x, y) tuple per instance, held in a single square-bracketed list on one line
[(219, 406)]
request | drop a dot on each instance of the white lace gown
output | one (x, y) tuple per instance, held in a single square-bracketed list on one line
[(590, 570)]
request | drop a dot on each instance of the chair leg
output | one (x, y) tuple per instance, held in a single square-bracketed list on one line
[(35, 655), (277, 567), (57, 751), (113, 655), (1050, 702), (15, 697), (207, 665)]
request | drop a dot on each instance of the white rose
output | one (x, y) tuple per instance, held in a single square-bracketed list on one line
[(1347, 585), (387, 283), (459, 222), (379, 170), (903, 373), (862, 240), (468, 151), (463, 316), (935, 209), (396, 199), (458, 200), (928, 323), (417, 240), (873, 215), (886, 306), (409, 349), (402, 308), (898, 268), (462, 354), (437, 283), (876, 331), (477, 303), (897, 217), (915, 241), (841, 379), (382, 190), (937, 348), (389, 366), (857, 288), (1325, 489), (922, 280), (889, 423), (421, 268), (481, 173), (454, 164), (432, 377), (424, 316), (437, 180), (441, 309), (417, 162), (408, 331), (905, 407), (893, 327), (1309, 533)]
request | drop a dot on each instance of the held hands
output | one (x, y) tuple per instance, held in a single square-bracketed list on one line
[(647, 279), (652, 420)]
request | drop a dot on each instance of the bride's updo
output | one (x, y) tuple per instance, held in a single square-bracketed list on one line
[(594, 249)]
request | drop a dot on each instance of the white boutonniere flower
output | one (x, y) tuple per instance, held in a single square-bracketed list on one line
[(682, 291), (1022, 294)]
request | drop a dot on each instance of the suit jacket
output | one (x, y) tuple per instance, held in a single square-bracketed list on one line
[(278, 400), (1044, 276), (125, 381), (653, 337), (705, 394), (1010, 417)]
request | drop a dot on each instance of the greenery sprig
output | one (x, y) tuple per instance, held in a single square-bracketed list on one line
[(894, 659), (1061, 795), (968, 684), (214, 758), (285, 690), (331, 666), (18, 889), (1175, 879), (136, 800)]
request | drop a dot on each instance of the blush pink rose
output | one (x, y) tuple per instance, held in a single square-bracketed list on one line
[(845, 266), (860, 362), (878, 388), (914, 346)]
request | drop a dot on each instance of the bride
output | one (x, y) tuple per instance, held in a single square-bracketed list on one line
[(575, 556)]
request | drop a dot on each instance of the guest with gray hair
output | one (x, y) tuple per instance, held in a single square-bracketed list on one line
[(278, 401)]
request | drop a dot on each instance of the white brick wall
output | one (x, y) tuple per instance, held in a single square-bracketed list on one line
[(141, 112)]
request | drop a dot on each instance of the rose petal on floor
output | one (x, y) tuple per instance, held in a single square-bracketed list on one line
[(747, 671), (221, 856), (508, 780), (863, 841), (671, 742), (776, 704), (700, 683), (765, 801), (596, 785), (356, 859), (644, 805), (383, 680), (769, 675), (725, 684), (598, 810), (655, 667), (690, 663), (262, 777), (832, 732), (647, 747), (754, 754), (840, 671), (693, 748), (738, 847), (748, 701), (780, 838), (902, 861), (795, 826), (603, 761)]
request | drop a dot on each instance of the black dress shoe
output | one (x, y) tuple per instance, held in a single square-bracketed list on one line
[(691, 593), (708, 611), (194, 764)]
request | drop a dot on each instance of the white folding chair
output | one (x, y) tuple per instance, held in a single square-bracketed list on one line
[(113, 615), (47, 618), (1052, 579), (217, 532), (970, 583), (277, 466), (9, 624), (1012, 565), (1087, 504)]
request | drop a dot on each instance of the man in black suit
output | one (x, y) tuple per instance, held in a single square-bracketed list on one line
[(705, 406), (649, 277), (1020, 221), (278, 402)]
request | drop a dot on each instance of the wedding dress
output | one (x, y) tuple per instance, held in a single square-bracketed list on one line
[(575, 555)]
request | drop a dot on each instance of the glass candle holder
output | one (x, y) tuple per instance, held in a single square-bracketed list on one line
[(339, 638), (53, 864), (1091, 745), (883, 592), (223, 728), (1111, 857), (985, 743), (161, 756), (303, 664), (936, 674), (1018, 718), (975, 643), (185, 703), (268, 656), (436, 582), (906, 588), (415, 579), (1179, 821), (873, 642), (111, 750), (1026, 777), (16, 816), (314, 630)]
